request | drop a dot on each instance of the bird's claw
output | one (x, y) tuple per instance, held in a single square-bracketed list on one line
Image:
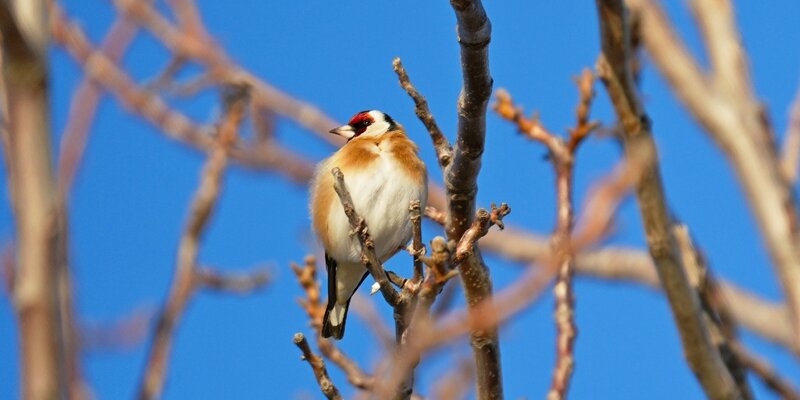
[(416, 253)]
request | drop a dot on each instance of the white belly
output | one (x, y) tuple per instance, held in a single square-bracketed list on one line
[(381, 196)]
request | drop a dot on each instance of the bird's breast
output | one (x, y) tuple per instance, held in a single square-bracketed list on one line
[(382, 180)]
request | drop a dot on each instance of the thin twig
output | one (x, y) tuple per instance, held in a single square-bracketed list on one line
[(562, 156), (484, 316), (764, 371), (318, 366), (154, 109), (790, 151), (307, 277), (416, 222), (368, 256), (480, 227), (444, 152), (84, 103), (240, 283)]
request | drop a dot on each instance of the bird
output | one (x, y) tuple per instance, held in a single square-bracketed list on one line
[(383, 173)]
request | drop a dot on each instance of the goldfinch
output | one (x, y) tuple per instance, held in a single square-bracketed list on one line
[(383, 174)]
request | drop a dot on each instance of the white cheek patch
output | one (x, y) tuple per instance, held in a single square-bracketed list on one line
[(377, 129)]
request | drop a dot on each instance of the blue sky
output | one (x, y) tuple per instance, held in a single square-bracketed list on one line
[(130, 201)]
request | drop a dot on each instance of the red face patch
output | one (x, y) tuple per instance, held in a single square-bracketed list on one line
[(360, 122)]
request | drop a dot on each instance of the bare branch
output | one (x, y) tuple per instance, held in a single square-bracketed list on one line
[(615, 71), (480, 227), (201, 48), (318, 366), (474, 34), (307, 276), (368, 257), (440, 217), (790, 154), (83, 106), (418, 249), (726, 106), (184, 283), (241, 283), (764, 371), (153, 109), (583, 126), (45, 356), (444, 152)]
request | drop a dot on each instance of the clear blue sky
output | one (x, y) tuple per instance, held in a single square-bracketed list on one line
[(130, 202)]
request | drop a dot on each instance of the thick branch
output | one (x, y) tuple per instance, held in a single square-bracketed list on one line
[(36, 294), (474, 34), (726, 106), (614, 69)]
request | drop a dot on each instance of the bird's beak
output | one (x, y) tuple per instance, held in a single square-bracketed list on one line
[(345, 131)]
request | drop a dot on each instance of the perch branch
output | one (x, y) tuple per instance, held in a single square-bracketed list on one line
[(360, 229), (444, 152), (307, 277)]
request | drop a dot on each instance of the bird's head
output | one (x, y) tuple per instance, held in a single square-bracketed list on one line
[(372, 123)]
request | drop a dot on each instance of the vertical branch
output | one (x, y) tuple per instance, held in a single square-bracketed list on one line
[(184, 283), (25, 40), (474, 35), (562, 155), (724, 103), (615, 71)]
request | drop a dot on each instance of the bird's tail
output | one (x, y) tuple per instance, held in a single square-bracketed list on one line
[(334, 320)]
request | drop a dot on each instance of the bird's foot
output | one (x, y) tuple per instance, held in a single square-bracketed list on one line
[(416, 253)]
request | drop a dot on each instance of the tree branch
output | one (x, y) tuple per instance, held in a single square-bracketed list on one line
[(37, 297), (359, 225), (444, 152), (615, 71), (186, 274), (562, 156), (240, 283), (725, 105), (307, 277), (474, 34), (318, 366)]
